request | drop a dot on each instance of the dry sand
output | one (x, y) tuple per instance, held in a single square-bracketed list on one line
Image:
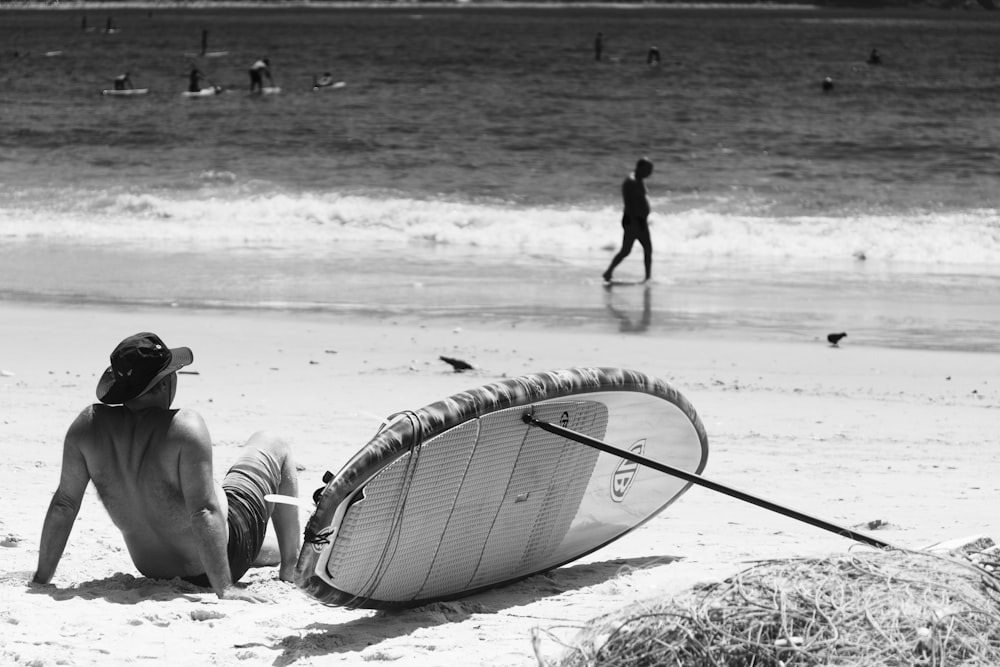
[(850, 434)]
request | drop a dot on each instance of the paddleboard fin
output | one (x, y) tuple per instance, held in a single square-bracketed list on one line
[(287, 500)]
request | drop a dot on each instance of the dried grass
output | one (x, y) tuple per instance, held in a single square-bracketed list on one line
[(872, 608)]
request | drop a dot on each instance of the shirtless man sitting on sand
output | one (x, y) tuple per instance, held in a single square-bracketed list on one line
[(152, 467)]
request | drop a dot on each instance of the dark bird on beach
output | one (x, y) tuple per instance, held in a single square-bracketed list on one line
[(834, 338), (458, 364)]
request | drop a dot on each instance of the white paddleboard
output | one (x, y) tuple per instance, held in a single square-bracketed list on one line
[(330, 86), (204, 92), (128, 92), (206, 54), (463, 495)]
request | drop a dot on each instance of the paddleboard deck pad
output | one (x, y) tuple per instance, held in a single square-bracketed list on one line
[(463, 495)]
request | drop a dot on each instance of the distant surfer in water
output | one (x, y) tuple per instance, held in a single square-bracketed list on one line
[(874, 58), (194, 80), (323, 81), (635, 218), (598, 45), (123, 82), (258, 71), (152, 468), (653, 56)]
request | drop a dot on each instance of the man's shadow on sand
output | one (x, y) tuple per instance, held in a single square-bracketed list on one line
[(122, 588), (319, 639)]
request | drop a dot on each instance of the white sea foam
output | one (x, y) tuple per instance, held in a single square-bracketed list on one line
[(298, 221)]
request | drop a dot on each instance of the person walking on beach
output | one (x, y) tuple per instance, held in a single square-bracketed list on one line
[(635, 218), (152, 468), (258, 71)]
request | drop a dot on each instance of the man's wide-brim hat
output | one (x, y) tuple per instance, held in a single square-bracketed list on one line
[(137, 364)]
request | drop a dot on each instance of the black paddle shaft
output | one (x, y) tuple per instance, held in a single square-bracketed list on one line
[(707, 483)]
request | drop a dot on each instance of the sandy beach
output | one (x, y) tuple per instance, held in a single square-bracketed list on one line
[(851, 434)]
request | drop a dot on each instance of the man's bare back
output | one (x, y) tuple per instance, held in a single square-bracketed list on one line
[(145, 448), (152, 467)]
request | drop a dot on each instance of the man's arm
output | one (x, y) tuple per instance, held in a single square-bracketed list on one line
[(286, 528), (285, 520), (65, 504), (207, 522)]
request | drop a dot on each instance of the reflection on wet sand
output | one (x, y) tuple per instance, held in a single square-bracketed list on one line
[(625, 322)]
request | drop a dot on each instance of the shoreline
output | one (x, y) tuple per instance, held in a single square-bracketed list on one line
[(879, 305)]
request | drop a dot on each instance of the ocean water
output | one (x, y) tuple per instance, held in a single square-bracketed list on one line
[(470, 166)]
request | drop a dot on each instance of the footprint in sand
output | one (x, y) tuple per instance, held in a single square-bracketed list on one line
[(154, 619), (206, 614), (10, 541)]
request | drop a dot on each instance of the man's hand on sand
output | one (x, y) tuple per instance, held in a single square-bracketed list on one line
[(234, 593)]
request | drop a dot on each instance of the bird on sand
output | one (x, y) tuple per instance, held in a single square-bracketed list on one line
[(458, 364), (834, 338)]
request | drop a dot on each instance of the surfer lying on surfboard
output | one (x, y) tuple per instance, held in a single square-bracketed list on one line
[(152, 467), (323, 81)]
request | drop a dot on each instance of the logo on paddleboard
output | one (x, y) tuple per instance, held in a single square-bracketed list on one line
[(621, 481)]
